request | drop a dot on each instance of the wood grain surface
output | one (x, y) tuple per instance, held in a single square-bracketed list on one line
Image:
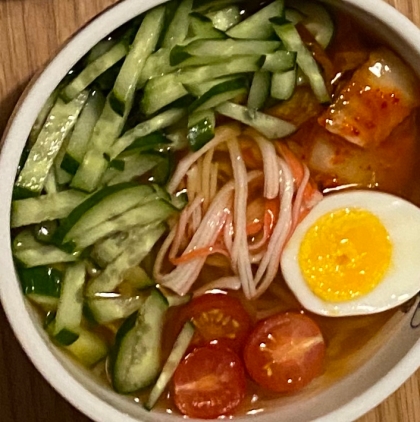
[(31, 32)]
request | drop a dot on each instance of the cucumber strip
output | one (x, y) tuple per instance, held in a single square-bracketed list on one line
[(61, 176), (161, 121), (151, 212), (257, 26), (162, 193), (220, 93), (222, 49), (206, 6), (46, 303), (95, 69), (162, 172), (293, 15), (106, 250), (134, 166), (94, 164), (201, 88), (70, 305), (100, 49), (157, 64), (25, 239), (292, 41), (40, 281), (317, 21), (89, 348), (283, 84), (160, 92), (138, 244), (280, 61), (58, 125), (138, 278), (225, 18), (201, 127), (301, 78), (203, 27), (105, 204), (191, 61), (142, 47), (177, 353), (237, 64), (137, 353), (44, 255), (82, 132), (155, 141), (173, 299), (178, 28), (31, 253), (269, 126), (163, 90), (180, 200), (260, 90), (45, 230), (42, 117), (51, 185), (45, 207), (106, 310)]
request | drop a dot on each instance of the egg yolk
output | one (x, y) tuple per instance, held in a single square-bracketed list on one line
[(345, 254)]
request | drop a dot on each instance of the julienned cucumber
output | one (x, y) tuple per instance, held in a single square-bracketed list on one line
[(161, 121), (139, 243), (201, 127), (222, 49), (106, 131), (257, 26), (178, 351), (260, 90), (270, 126), (283, 84), (220, 93), (106, 310), (292, 41), (141, 48), (135, 165), (178, 28), (82, 132), (95, 69), (153, 210), (99, 207), (70, 305), (137, 353), (58, 125), (31, 253), (225, 18), (316, 19), (202, 27), (45, 207)]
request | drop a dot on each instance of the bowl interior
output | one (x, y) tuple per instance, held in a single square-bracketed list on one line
[(383, 363)]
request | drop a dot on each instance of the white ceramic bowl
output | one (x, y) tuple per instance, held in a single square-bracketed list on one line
[(385, 362)]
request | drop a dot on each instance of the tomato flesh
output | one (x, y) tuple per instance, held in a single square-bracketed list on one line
[(209, 382), (218, 319), (285, 352)]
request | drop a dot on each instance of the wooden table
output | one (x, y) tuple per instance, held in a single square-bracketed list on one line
[(31, 31)]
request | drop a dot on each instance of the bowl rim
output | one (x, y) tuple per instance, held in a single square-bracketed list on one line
[(13, 139)]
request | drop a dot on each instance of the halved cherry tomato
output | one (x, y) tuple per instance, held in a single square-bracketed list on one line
[(209, 382), (219, 319), (285, 352)]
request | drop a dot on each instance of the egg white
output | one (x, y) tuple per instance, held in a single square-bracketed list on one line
[(402, 279)]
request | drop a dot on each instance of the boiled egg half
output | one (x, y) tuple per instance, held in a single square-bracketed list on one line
[(357, 252)]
